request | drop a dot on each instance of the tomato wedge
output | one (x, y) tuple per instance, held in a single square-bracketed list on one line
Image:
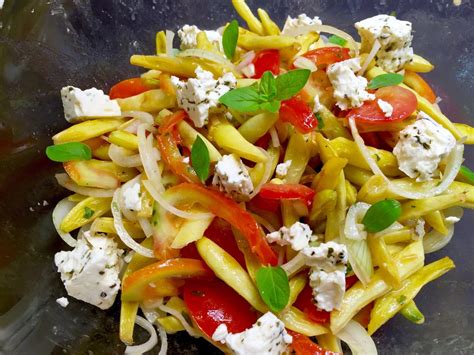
[(299, 114), (350, 281), (267, 60), (402, 100), (212, 302), (171, 120), (302, 345), (327, 55), (127, 88), (287, 192), (304, 302), (417, 83)]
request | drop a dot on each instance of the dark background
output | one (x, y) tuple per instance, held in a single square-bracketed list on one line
[(45, 45)]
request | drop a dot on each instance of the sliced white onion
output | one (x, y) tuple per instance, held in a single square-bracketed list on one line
[(275, 138), (169, 207), (266, 175), (396, 226), (132, 126), (122, 232), (434, 240), (203, 54), (146, 226), (60, 211), (169, 43), (357, 338), (249, 70), (246, 60), (189, 328), (129, 214), (373, 52), (294, 265), (120, 157), (145, 149), (352, 228), (142, 116), (454, 162), (359, 256), (305, 63), (149, 344), (65, 181)]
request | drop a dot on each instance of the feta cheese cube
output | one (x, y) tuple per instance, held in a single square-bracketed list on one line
[(298, 236), (62, 301), (328, 288), (90, 272), (282, 169), (349, 89), (386, 108), (421, 147), (85, 104), (232, 177), (299, 21), (267, 336), (394, 36), (330, 256), (132, 197), (188, 36), (198, 95)]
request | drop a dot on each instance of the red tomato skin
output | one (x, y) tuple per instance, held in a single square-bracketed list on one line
[(350, 281), (327, 55), (127, 88), (299, 114), (287, 192), (304, 302), (266, 60), (302, 345), (212, 302)]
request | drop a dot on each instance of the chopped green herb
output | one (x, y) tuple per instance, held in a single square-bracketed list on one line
[(381, 215), (320, 120), (383, 80), (229, 39), (337, 40), (393, 13), (273, 285), (467, 174), (68, 152), (88, 212), (200, 159)]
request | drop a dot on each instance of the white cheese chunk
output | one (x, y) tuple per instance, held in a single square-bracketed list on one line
[(299, 21), (62, 301), (421, 147), (232, 177), (394, 36), (328, 256), (86, 104), (349, 89), (328, 288), (131, 197), (282, 169), (267, 336), (317, 104), (386, 108), (297, 236), (90, 272), (188, 36), (198, 95)]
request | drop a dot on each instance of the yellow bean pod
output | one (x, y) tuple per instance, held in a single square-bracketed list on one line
[(124, 139), (466, 131), (189, 135), (85, 212), (418, 208), (329, 174), (297, 321), (149, 101), (170, 324), (106, 225), (86, 130), (256, 126), (436, 220), (419, 65), (190, 231), (160, 42), (244, 11), (270, 28)]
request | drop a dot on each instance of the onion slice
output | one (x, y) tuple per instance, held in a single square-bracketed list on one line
[(266, 175), (148, 157), (275, 138), (149, 344), (357, 338), (305, 63), (373, 52), (247, 58), (294, 265), (142, 116), (65, 181), (206, 55), (434, 240), (189, 328), (359, 256), (60, 211), (119, 157), (169, 43), (352, 228), (146, 226)]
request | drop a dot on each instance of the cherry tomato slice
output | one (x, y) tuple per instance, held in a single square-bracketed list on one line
[(299, 114), (302, 345), (304, 302), (417, 83), (402, 100), (127, 88), (287, 192), (212, 302), (267, 60), (327, 55)]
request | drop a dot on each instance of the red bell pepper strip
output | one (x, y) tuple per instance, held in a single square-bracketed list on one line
[(287, 192), (227, 209), (327, 55), (128, 88), (171, 120), (299, 114), (302, 345), (305, 303), (350, 281)]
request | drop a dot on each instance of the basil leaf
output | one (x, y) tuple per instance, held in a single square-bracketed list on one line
[(270, 106), (290, 83), (200, 158), (246, 99), (68, 151), (272, 283), (383, 80), (267, 86), (337, 40), (229, 39), (467, 174), (88, 213), (381, 215), (320, 120)]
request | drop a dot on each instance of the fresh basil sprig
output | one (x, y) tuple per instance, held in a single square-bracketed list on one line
[(337, 40), (230, 38), (200, 159), (383, 80), (273, 285), (381, 215), (68, 151), (267, 93)]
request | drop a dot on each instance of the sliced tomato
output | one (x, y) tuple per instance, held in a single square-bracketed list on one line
[(403, 101), (363, 317), (299, 114), (287, 192), (267, 60), (302, 345), (305, 303), (350, 281), (327, 55), (171, 120), (417, 83), (264, 141), (128, 88), (264, 204), (212, 302)]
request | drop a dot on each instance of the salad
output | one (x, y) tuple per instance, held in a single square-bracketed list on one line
[(270, 190)]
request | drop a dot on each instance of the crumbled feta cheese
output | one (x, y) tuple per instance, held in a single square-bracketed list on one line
[(394, 36), (300, 21), (386, 108), (131, 197), (317, 104), (62, 301), (84, 104), (232, 177), (298, 236), (419, 229), (328, 288), (349, 89), (267, 336), (198, 95), (452, 219), (328, 256), (421, 147), (282, 169), (186, 160), (188, 36), (90, 272)]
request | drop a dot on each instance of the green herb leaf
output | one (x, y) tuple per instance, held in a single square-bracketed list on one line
[(383, 80), (290, 83), (381, 215), (272, 283), (337, 40), (88, 213), (200, 158), (229, 39), (68, 151), (267, 87), (271, 106), (320, 120), (393, 13), (246, 99), (467, 174)]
